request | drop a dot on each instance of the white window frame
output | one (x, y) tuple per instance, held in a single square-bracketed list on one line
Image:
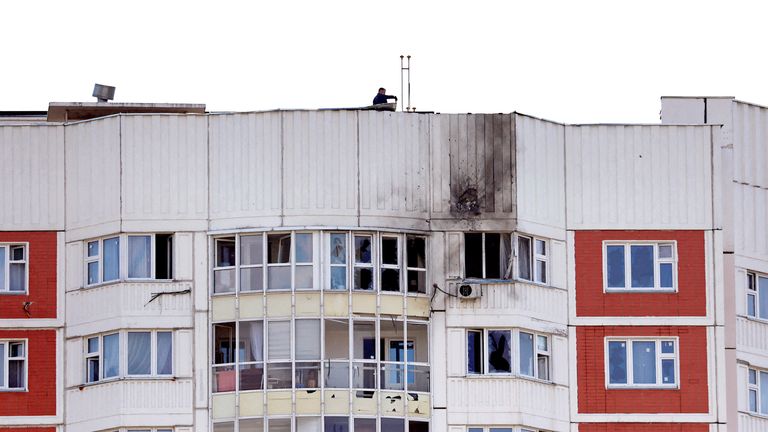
[(6, 356), (122, 357), (628, 265), (497, 428), (409, 269), (514, 347), (398, 266), (658, 360), (753, 292), (123, 259), (6, 287), (533, 259)]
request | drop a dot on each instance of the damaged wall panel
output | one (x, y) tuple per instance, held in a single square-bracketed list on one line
[(474, 154)]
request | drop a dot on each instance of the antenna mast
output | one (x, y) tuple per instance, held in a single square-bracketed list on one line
[(405, 69)]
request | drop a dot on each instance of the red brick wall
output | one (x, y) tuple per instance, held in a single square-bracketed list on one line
[(40, 397), (28, 429), (42, 276), (689, 300), (690, 397), (643, 427)]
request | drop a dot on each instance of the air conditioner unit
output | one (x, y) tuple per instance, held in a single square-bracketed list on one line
[(467, 291)]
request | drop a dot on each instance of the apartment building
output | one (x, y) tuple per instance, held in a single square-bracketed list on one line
[(167, 269)]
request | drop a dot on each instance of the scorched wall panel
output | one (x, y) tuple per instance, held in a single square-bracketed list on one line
[(638, 177), (32, 175)]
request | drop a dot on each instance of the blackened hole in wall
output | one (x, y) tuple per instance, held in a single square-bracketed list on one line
[(473, 255)]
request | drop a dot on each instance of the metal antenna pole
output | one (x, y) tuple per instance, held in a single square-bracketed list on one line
[(409, 82), (401, 83)]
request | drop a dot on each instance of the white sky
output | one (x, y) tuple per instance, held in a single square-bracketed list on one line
[(570, 61)]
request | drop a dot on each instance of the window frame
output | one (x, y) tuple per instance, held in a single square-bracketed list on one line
[(484, 263), (6, 364), (515, 357), (123, 260), (753, 290), (755, 387), (533, 259), (123, 355), (5, 289), (660, 356), (657, 262)]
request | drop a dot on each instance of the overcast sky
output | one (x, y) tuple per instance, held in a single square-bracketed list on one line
[(570, 61)]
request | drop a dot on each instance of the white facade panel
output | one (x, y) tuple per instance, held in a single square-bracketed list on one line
[(750, 136), (750, 228), (129, 402), (682, 110), (505, 401), (32, 175), (320, 157), (501, 304), (93, 178), (750, 423), (394, 165), (540, 147), (128, 305), (752, 337), (639, 177), (164, 162), (245, 169)]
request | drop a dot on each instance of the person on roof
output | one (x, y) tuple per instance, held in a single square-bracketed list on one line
[(381, 97)]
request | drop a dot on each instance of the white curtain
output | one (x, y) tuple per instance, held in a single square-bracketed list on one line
[(256, 329), (111, 354), (279, 340), (139, 359), (139, 256), (308, 339), (164, 353), (308, 424)]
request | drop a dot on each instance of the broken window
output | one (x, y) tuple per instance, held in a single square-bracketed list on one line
[(224, 357), (490, 351), (474, 351), (338, 261), (279, 261), (224, 267), (13, 268), (390, 259), (499, 358), (364, 340), (418, 426), (417, 264), (336, 353), (487, 255), (363, 268)]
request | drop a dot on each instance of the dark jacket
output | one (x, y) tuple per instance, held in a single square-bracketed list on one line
[(381, 99)]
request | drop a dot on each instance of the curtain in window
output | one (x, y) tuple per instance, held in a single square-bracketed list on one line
[(17, 277), (307, 339), (307, 424), (252, 332), (139, 256), (111, 353), (644, 362), (111, 259), (524, 258), (139, 353), (279, 340), (164, 353)]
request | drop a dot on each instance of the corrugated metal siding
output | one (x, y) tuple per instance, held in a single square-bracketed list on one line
[(750, 153), (93, 172), (540, 147), (164, 167), (245, 165), (394, 164), (529, 300), (320, 163), (473, 153), (32, 175), (748, 423), (638, 177), (750, 213), (751, 336)]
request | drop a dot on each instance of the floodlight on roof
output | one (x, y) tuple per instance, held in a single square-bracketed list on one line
[(103, 93)]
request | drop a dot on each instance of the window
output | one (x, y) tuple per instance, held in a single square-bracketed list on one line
[(13, 359), (275, 261), (757, 295), (146, 353), (640, 266), (13, 268), (149, 256), (487, 255), (490, 352), (532, 259), (641, 363), (416, 249), (758, 391)]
